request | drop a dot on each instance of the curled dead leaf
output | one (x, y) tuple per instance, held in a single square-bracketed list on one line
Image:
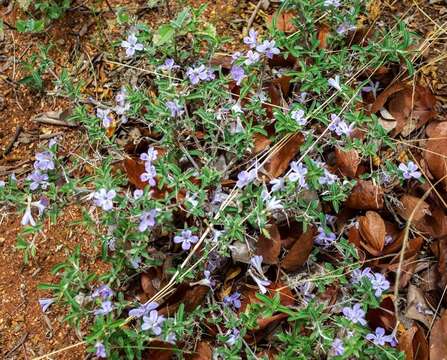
[(347, 161), (269, 246), (372, 230), (417, 308), (203, 351), (134, 169), (322, 36), (365, 196), (280, 160), (300, 251), (413, 343), (383, 316), (414, 208), (283, 21), (435, 156), (438, 338)]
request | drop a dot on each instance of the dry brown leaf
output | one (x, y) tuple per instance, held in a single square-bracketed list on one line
[(203, 351), (280, 160), (383, 316), (436, 129), (159, 350), (261, 142), (134, 169), (413, 343), (435, 157), (322, 36), (300, 251), (438, 338), (365, 196), (442, 263), (411, 203), (269, 247), (372, 230), (150, 282), (347, 161), (417, 308), (385, 94), (283, 21)]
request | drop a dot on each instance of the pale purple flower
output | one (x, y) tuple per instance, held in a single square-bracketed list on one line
[(262, 283), (169, 65), (233, 300), (379, 284), (334, 3), (298, 116), (147, 220), (104, 199), (335, 82), (153, 322), (298, 173), (345, 27), (175, 109), (379, 338), (149, 174), (410, 170), (38, 179), (135, 262), (337, 347), (2, 183), (103, 292), (186, 238), (256, 262), (373, 87), (233, 336), (121, 96), (325, 239), (330, 219), (236, 56), (251, 40), (131, 45), (237, 74), (103, 115), (327, 178), (46, 303), (44, 161), (27, 218), (355, 314), (138, 193), (302, 97), (208, 280), (272, 203), (388, 239), (245, 177), (100, 350), (200, 73), (278, 184), (339, 126), (252, 57), (41, 205), (268, 48), (143, 309), (151, 155), (106, 308), (171, 338), (305, 290), (357, 275)]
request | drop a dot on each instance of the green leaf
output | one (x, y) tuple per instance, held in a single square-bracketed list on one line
[(165, 34)]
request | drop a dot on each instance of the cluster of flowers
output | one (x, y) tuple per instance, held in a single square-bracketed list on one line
[(39, 177), (121, 108), (378, 281), (356, 315), (150, 173)]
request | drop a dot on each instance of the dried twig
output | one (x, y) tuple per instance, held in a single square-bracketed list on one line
[(12, 142)]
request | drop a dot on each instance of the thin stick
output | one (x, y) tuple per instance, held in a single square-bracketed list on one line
[(12, 142)]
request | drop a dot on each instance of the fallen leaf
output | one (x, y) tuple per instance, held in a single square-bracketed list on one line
[(413, 207), (383, 316), (438, 338), (347, 161), (372, 230), (283, 21), (413, 343), (300, 251), (435, 156), (269, 246), (436, 129), (150, 282), (134, 169), (385, 94), (159, 350), (322, 36), (279, 162), (417, 308), (203, 351), (261, 142), (365, 196), (442, 263)]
